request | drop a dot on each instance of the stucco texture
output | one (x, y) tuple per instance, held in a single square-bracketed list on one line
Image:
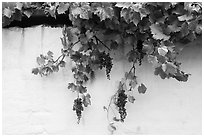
[(43, 105)]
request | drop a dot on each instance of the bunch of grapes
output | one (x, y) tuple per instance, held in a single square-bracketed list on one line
[(120, 103), (78, 108), (106, 61)]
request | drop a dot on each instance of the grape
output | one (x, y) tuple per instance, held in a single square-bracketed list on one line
[(106, 62), (78, 108), (120, 103)]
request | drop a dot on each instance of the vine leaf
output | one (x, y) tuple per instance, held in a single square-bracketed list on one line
[(162, 50), (7, 12), (86, 100), (185, 17), (35, 71), (123, 4), (72, 87), (62, 8), (104, 12), (157, 32), (131, 99), (40, 61), (62, 63), (169, 68), (159, 71), (142, 89), (19, 5), (28, 13)]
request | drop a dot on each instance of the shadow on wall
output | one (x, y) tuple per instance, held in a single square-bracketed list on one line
[(43, 105)]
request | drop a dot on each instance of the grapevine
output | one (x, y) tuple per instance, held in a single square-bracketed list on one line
[(152, 30), (78, 108)]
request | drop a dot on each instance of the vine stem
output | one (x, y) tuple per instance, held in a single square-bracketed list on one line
[(109, 107), (97, 39)]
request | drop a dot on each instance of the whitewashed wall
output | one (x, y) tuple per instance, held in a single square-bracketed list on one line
[(43, 105)]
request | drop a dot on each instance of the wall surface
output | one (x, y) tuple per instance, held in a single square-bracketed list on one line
[(43, 105)]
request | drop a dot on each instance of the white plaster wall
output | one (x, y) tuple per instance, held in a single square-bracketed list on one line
[(43, 105)]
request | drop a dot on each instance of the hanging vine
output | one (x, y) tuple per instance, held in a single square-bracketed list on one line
[(98, 28)]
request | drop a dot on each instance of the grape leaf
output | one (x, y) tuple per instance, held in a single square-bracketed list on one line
[(131, 99), (191, 36), (86, 100), (7, 12), (184, 29), (185, 17), (192, 25), (198, 29), (156, 30), (159, 71), (123, 4), (35, 71), (153, 59), (148, 47), (162, 50), (40, 61), (62, 8), (28, 12), (62, 63), (72, 87), (181, 76), (142, 89), (169, 68), (19, 5), (104, 12)]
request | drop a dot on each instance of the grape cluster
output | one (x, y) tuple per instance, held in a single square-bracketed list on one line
[(78, 108), (120, 103), (106, 61)]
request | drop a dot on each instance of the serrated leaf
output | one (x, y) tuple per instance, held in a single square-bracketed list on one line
[(104, 12), (62, 8), (142, 89), (198, 29), (191, 36), (28, 13), (185, 17), (72, 86), (153, 59), (169, 68), (35, 71), (81, 89), (162, 50), (86, 100), (7, 12), (192, 25), (50, 53), (123, 4), (62, 63), (55, 68), (181, 76), (148, 47), (133, 83), (184, 29), (131, 99), (157, 32), (159, 71), (40, 61), (19, 5)]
